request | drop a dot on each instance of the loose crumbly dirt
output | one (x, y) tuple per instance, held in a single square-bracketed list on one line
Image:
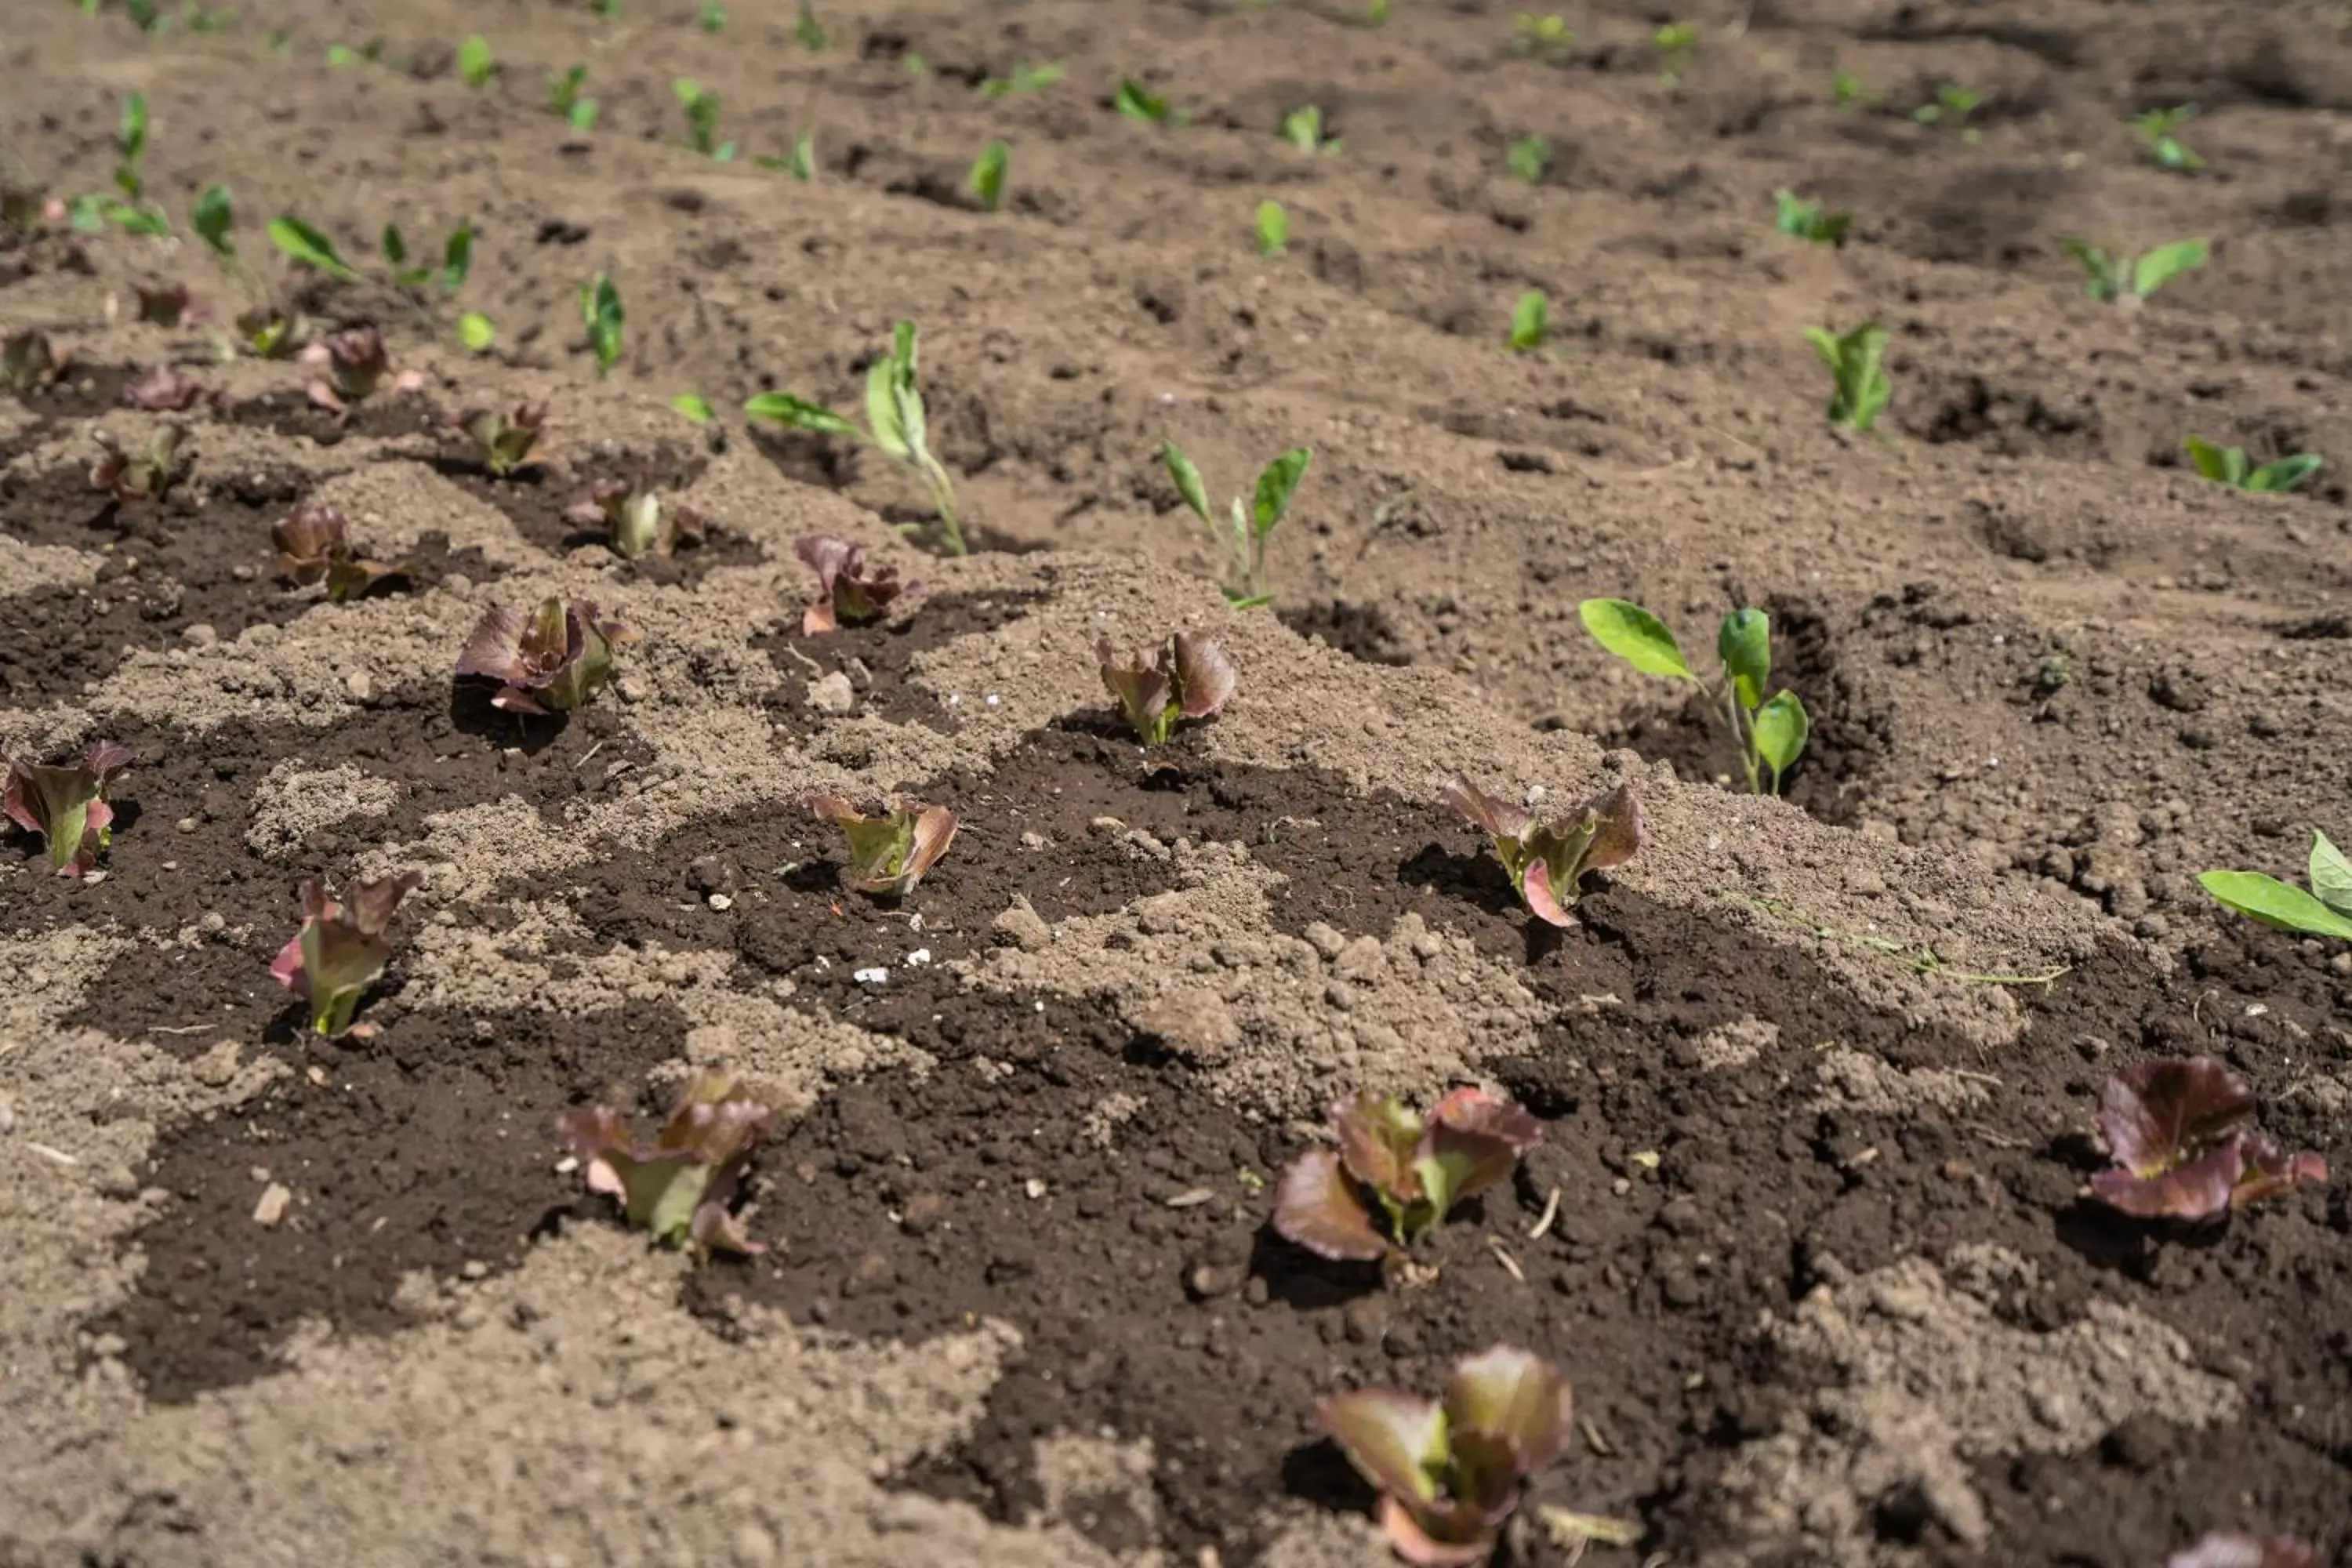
[(1804, 1228)]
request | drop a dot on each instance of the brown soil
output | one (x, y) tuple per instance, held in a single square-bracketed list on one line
[(1805, 1227)]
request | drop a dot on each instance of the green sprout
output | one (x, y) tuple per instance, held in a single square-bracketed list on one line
[(988, 171), (2156, 128), (1026, 77), (131, 212), (457, 260), (602, 319), (1952, 107), (475, 64), (1860, 389), (565, 97), (807, 31), (1303, 129), (1138, 102), (213, 218), (701, 106), (1273, 228), (2230, 466), (894, 411), (1530, 321), (712, 17), (306, 246), (1847, 91), (800, 162), (1244, 537), (2128, 279), (2326, 910), (1810, 221), (477, 332), (1771, 733), (1677, 46), (1545, 38), (694, 407), (1528, 158)]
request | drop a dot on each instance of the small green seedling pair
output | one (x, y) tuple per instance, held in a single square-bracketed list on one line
[(2128, 279), (1244, 536), (1810, 221), (2156, 128), (2326, 910), (2230, 466), (1951, 109), (1860, 389), (894, 410), (701, 107), (567, 96), (1303, 129), (1771, 733)]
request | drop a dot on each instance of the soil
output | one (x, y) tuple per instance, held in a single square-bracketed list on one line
[(1806, 1227)]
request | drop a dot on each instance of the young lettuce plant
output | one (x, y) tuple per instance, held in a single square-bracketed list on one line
[(1530, 321), (1952, 106), (680, 1186), (848, 595), (2325, 911), (2128, 279), (1546, 38), (1810, 221), (549, 660), (2157, 129), (314, 546), (602, 319), (164, 390), (2181, 1134), (1190, 677), (29, 361), (894, 408), (889, 854), (1450, 1470), (1244, 537), (505, 441), (1528, 158), (342, 947), (701, 107), (636, 520), (1303, 129), (2230, 466), (567, 96), (1546, 861), (1396, 1175), (358, 366), (988, 173), (131, 476), (67, 805), (1137, 103), (476, 63), (1273, 228), (1859, 386), (1771, 733)]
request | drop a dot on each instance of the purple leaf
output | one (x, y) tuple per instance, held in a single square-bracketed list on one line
[(848, 595), (889, 854), (2271, 1171), (1315, 1207), (1498, 818), (1514, 1395), (1204, 677), (1378, 1136), (682, 1185), (67, 805), (1396, 1441), (2228, 1549), (342, 947), (2155, 1115), (552, 660), (1470, 1141)]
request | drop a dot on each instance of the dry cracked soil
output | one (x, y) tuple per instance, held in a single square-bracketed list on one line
[(1806, 1226)]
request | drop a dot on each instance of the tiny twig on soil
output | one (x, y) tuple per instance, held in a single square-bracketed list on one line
[(1551, 1213)]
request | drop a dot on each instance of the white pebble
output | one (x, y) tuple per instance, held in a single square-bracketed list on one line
[(870, 976)]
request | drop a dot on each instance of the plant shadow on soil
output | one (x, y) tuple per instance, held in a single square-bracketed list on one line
[(1152, 1301)]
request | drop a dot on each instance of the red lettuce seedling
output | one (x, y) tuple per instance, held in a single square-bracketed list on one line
[(164, 390), (849, 595), (890, 853), (313, 546), (1395, 1175), (144, 477), (358, 364), (28, 359), (68, 806), (506, 441), (2181, 1134), (681, 1184), (1450, 1471), (342, 948), (1548, 861), (1190, 679), (635, 519), (2229, 1549), (549, 660)]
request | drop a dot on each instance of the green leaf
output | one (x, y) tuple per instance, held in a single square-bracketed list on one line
[(2287, 474), (147, 221), (1528, 158), (475, 62), (130, 140), (2102, 274), (988, 171), (1636, 635), (1187, 476), (1530, 321), (1781, 730), (713, 16), (812, 37), (2331, 874), (396, 245), (1303, 128), (2165, 263), (477, 332), (1273, 228), (2274, 903), (214, 216), (456, 258), (1745, 646), (583, 115), (1276, 483), (2216, 463), (694, 407), (1138, 102), (298, 241), (884, 414), (795, 413)]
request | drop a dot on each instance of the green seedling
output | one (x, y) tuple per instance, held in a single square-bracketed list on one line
[(456, 261), (1303, 129), (1026, 77), (565, 97), (889, 854), (1245, 535), (1771, 732), (701, 106), (477, 332), (2326, 910), (1273, 228), (694, 407), (315, 549), (1677, 46), (1810, 221), (1953, 106), (894, 410), (1860, 388), (1530, 321), (1372, 16), (1188, 677), (131, 211), (2230, 466), (800, 162), (807, 31), (916, 64), (1847, 91), (679, 1185), (712, 17), (1138, 102), (1545, 38), (130, 148), (988, 171), (505, 439), (2128, 279), (634, 518), (67, 805), (1528, 158), (602, 319), (306, 246), (475, 64), (213, 217), (342, 948), (133, 477), (2156, 128)]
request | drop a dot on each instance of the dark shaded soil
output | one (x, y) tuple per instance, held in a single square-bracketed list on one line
[(382, 418), (879, 658), (84, 391)]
